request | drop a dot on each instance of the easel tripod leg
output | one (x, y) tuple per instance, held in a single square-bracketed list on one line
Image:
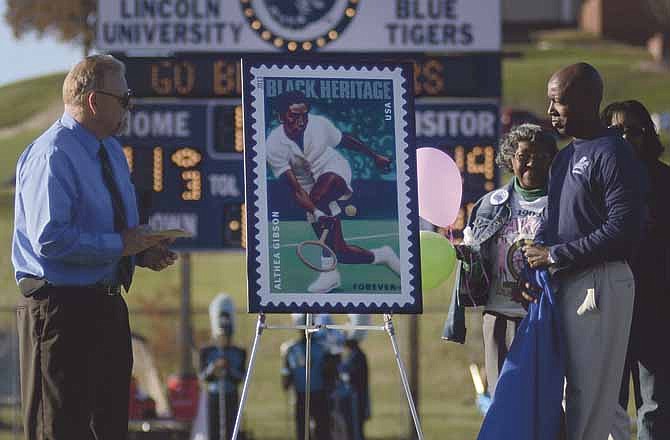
[(260, 325), (308, 368), (403, 375)]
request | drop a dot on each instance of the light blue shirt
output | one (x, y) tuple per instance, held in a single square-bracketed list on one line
[(295, 365), (63, 217), (235, 371)]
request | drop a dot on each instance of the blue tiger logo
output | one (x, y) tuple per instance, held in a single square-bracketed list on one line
[(298, 14)]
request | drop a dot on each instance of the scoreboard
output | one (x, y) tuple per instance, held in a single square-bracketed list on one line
[(186, 160), (184, 143)]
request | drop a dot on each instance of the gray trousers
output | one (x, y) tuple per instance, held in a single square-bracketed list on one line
[(498, 332), (596, 308)]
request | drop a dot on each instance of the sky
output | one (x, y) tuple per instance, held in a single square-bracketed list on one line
[(31, 56)]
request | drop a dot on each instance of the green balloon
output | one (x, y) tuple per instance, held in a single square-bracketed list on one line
[(438, 259)]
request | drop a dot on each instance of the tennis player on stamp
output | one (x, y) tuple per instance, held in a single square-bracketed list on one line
[(302, 152)]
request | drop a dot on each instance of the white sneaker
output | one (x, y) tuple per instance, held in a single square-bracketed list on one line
[(326, 282), (386, 255)]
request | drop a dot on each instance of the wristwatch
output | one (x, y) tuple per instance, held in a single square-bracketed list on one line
[(551, 257)]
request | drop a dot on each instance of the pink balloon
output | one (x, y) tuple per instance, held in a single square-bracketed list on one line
[(440, 186)]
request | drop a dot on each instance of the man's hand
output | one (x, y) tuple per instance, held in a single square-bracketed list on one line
[(383, 163), (137, 239), (524, 295), (158, 257), (285, 382), (537, 255), (220, 365)]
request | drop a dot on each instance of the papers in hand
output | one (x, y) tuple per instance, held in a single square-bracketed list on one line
[(169, 233)]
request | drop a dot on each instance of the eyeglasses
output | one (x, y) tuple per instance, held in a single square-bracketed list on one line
[(536, 157), (629, 131), (124, 99)]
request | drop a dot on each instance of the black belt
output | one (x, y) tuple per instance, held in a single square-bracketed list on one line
[(109, 290)]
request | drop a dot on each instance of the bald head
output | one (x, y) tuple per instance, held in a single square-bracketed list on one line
[(575, 93), (581, 79)]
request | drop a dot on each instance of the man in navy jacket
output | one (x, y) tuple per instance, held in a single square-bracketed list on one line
[(593, 221)]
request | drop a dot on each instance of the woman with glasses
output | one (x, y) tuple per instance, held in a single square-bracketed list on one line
[(649, 363), (498, 227)]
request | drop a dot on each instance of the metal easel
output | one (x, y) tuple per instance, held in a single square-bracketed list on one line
[(310, 328)]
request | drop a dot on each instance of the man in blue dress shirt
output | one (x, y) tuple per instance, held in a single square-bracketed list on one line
[(76, 242)]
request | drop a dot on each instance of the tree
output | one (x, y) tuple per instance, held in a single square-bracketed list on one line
[(69, 20), (661, 11)]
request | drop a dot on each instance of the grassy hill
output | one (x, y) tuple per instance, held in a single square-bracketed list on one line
[(624, 70), (446, 393), (22, 99)]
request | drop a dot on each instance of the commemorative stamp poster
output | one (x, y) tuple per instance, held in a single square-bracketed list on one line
[(331, 192)]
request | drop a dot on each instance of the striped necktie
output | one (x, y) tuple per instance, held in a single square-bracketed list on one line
[(125, 267)]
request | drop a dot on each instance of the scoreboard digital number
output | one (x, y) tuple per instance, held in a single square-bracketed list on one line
[(218, 76), (186, 163), (468, 132), (186, 158)]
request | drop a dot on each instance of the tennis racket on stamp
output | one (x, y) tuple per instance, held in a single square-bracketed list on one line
[(311, 252)]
